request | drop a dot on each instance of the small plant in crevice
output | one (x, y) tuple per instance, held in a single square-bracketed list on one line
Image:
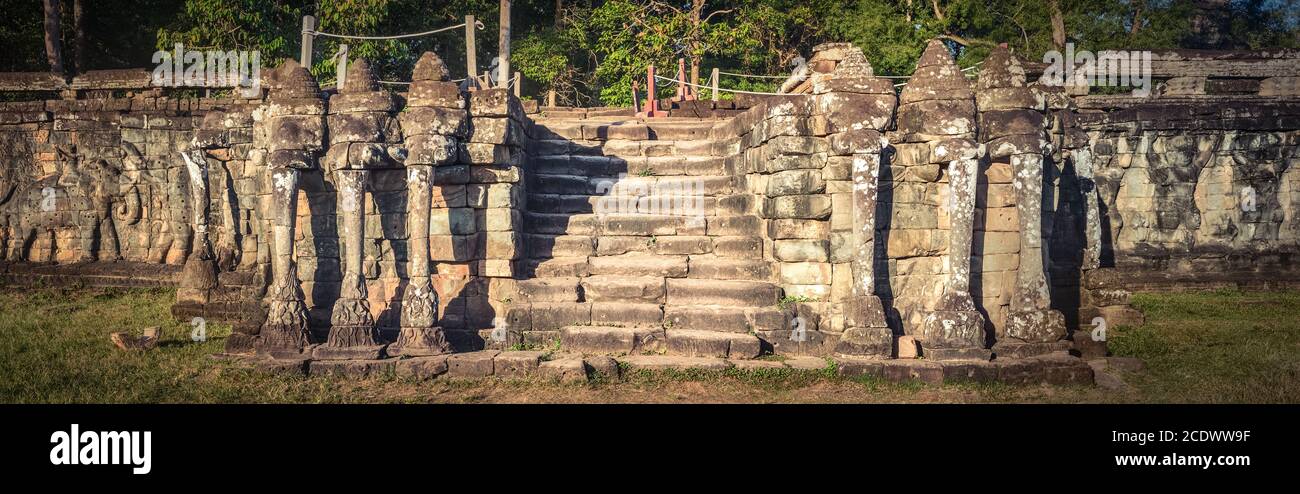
[(787, 300)]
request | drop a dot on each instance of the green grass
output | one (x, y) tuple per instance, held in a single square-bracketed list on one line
[(1222, 347), (54, 348)]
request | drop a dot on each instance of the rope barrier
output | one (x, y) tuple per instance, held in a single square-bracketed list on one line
[(407, 83), (736, 91), (755, 75), (477, 25)]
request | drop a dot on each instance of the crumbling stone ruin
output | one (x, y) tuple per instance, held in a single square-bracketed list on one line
[(983, 220)]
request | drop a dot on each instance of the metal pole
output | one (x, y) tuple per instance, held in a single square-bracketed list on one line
[(304, 56), (504, 45), (471, 50)]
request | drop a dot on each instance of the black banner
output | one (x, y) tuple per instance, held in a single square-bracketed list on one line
[(304, 445)]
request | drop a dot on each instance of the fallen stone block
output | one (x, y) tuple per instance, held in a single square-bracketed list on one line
[(913, 370), (969, 371), (669, 362), (350, 368), (603, 366), (1020, 371), (516, 364), (859, 367), (471, 364), (421, 368), (568, 370)]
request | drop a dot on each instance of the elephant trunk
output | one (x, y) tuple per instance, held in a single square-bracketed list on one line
[(128, 209)]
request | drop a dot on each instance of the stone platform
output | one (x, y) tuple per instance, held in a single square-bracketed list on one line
[(1057, 368)]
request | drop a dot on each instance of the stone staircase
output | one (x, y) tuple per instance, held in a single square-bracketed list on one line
[(641, 240)]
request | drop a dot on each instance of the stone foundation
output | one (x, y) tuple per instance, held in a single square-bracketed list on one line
[(979, 219)]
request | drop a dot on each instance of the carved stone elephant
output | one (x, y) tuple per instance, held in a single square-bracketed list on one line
[(90, 197)]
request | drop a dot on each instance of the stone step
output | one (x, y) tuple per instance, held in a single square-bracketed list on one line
[(627, 315), (732, 257), (685, 292), (591, 224), (632, 289), (552, 316), (727, 319), (624, 204), (557, 267), (734, 226), (616, 165), (695, 343), (563, 126), (573, 367), (672, 362), (629, 224), (675, 245), (639, 265), (632, 185), (609, 340), (539, 246), (715, 268), (559, 289), (546, 148)]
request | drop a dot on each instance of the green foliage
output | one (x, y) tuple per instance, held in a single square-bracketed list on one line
[(591, 51), (271, 27)]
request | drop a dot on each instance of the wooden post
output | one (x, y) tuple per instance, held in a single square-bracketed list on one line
[(304, 56), (503, 46), (487, 80), (342, 69), (681, 79), (636, 100), (471, 50), (518, 81), (714, 77), (651, 108), (550, 98), (651, 95)]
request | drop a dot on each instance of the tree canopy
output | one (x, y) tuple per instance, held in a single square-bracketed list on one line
[(590, 51)]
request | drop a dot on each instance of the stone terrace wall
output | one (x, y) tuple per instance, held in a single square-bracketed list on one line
[(1195, 187), (139, 137), (1163, 177)]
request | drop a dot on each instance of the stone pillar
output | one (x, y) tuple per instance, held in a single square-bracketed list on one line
[(352, 327), (1085, 343), (358, 132), (1013, 127), (285, 332), (294, 116), (198, 276), (1091, 209), (938, 108), (420, 333), (858, 107)]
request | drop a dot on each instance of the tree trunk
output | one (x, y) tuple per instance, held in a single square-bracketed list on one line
[(1058, 24), (79, 38), (1137, 19), (53, 37), (697, 8)]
